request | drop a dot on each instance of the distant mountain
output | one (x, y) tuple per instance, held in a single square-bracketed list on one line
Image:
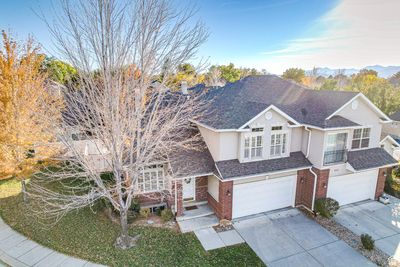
[(384, 72)]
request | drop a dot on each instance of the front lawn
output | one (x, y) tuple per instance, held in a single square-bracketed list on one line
[(90, 236)]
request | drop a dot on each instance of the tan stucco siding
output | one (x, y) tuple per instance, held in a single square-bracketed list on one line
[(297, 139), (212, 141), (229, 143), (317, 148), (365, 116), (213, 187)]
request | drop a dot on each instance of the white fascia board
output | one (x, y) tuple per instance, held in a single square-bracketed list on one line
[(195, 176), (391, 139), (274, 108), (372, 105), (334, 128), (212, 128), (265, 173), (370, 169)]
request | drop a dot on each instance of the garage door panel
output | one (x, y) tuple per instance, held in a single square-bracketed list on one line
[(352, 188), (262, 196)]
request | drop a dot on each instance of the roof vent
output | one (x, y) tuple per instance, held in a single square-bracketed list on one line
[(304, 112)]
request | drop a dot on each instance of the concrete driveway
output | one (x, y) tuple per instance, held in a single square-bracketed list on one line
[(380, 221), (289, 238)]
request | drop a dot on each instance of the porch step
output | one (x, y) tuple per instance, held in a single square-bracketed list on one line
[(201, 211), (194, 203), (198, 223)]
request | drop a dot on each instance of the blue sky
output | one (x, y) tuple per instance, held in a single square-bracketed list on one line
[(270, 34)]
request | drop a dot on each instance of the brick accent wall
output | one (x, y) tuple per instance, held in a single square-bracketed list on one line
[(380, 184), (179, 206), (222, 207), (322, 183), (305, 187), (201, 188)]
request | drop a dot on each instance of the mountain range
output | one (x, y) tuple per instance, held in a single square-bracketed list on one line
[(383, 71)]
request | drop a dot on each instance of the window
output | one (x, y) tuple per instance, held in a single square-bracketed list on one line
[(276, 128), (257, 129), (335, 148), (253, 146), (361, 138), (278, 144), (152, 179)]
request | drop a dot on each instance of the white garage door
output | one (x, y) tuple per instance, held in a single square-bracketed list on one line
[(255, 197), (353, 187)]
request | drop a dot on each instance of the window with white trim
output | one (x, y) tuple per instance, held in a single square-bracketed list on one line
[(152, 179), (253, 145), (278, 144), (361, 138)]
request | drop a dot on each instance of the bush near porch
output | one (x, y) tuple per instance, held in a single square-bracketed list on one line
[(90, 235), (392, 183)]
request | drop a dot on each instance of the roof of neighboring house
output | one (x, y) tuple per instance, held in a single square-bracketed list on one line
[(237, 103), (395, 116), (369, 158), (234, 169)]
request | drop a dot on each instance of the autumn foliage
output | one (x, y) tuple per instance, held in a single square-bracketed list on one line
[(24, 98)]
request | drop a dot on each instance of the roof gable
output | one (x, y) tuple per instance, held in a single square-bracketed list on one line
[(235, 104)]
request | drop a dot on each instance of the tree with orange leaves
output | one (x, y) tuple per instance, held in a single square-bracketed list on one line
[(24, 96)]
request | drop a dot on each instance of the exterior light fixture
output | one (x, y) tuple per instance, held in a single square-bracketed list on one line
[(228, 193)]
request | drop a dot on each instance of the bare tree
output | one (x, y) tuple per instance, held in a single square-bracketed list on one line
[(129, 122)]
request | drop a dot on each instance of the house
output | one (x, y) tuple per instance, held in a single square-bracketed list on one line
[(270, 143), (391, 136)]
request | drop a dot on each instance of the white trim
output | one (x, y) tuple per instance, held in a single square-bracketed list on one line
[(264, 173), (280, 112), (370, 169), (390, 139), (196, 175), (212, 128), (375, 108)]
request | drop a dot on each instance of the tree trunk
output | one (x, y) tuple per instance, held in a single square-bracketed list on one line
[(124, 228), (23, 190), (124, 241)]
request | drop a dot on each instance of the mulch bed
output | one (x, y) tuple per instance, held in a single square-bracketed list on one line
[(376, 255)]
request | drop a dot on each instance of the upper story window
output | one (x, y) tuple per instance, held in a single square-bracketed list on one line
[(335, 148), (361, 138), (253, 146), (253, 143), (152, 179), (278, 141)]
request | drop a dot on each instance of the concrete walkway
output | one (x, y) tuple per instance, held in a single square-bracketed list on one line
[(18, 251)]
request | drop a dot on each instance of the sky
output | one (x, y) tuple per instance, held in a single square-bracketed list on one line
[(270, 34)]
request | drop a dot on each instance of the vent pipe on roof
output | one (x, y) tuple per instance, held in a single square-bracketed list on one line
[(184, 87)]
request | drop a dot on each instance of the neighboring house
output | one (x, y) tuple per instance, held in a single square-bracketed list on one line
[(391, 136), (272, 143)]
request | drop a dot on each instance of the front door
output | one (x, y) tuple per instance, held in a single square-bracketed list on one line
[(189, 189)]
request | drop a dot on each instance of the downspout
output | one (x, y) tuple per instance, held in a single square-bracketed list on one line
[(311, 170), (314, 189)]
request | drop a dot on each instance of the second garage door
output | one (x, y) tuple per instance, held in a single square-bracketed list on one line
[(255, 197), (354, 187)]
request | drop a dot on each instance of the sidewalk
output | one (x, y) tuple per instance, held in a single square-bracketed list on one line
[(18, 251)]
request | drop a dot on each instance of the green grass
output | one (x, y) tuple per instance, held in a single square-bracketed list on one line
[(90, 236)]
